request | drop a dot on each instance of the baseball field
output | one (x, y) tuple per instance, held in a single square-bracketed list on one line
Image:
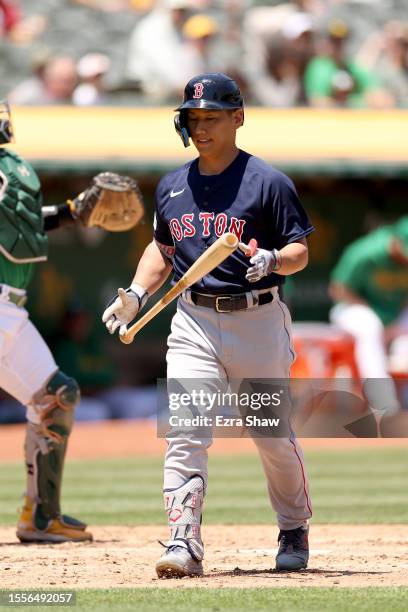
[(358, 536)]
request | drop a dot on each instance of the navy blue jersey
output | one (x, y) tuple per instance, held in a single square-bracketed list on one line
[(249, 198)]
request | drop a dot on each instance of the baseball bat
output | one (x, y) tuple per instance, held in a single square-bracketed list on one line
[(210, 259), (250, 248)]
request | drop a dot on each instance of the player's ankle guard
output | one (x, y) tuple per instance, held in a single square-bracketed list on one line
[(184, 510)]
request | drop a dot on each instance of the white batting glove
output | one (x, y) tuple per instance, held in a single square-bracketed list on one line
[(123, 308), (263, 263)]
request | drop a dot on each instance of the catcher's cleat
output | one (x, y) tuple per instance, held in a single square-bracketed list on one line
[(293, 553), (59, 529), (178, 562)]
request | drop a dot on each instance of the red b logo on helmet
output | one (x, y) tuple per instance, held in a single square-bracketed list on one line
[(198, 90)]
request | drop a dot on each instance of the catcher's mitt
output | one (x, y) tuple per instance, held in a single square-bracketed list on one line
[(112, 201)]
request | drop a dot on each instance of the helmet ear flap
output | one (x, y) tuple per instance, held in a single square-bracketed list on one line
[(180, 125)]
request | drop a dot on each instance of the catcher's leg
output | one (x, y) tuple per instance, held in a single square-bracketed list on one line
[(29, 373), (50, 417)]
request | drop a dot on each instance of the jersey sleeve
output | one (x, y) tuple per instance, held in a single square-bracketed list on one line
[(351, 269), (161, 231), (289, 219)]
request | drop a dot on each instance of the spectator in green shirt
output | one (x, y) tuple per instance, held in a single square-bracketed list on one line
[(331, 79)]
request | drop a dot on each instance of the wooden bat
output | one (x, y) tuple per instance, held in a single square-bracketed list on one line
[(210, 259), (248, 249)]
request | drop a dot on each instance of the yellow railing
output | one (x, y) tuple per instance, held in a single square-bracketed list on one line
[(147, 134)]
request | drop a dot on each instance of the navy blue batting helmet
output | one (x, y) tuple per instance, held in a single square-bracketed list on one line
[(212, 91)]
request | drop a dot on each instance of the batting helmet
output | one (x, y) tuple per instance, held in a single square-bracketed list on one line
[(6, 127), (212, 91)]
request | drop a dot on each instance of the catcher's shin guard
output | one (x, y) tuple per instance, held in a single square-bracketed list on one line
[(45, 448), (185, 549)]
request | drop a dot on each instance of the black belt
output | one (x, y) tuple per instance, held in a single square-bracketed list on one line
[(228, 303)]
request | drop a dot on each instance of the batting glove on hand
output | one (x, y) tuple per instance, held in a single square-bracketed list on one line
[(123, 308), (263, 263)]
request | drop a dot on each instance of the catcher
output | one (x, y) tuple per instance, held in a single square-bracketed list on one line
[(28, 371)]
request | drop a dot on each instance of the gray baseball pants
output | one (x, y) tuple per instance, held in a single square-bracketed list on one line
[(238, 345)]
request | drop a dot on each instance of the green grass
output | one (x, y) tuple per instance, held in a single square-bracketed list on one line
[(354, 486), (237, 600), (357, 486)]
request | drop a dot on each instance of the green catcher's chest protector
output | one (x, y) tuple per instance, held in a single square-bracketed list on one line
[(22, 237)]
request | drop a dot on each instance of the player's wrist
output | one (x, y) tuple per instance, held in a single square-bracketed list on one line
[(278, 260), (141, 294), (275, 263)]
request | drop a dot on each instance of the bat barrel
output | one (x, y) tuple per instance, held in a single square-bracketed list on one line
[(230, 240)]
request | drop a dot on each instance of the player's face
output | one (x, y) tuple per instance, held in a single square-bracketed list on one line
[(213, 132)]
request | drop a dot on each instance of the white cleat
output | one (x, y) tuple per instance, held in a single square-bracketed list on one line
[(177, 562)]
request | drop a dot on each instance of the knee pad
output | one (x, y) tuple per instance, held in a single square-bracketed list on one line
[(184, 511), (55, 405), (64, 389)]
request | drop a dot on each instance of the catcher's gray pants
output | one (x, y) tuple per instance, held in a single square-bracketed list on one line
[(238, 345)]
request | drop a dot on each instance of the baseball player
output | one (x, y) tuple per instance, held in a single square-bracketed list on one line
[(28, 371), (231, 324), (369, 286)]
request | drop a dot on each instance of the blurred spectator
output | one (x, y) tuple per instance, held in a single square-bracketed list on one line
[(54, 83), (332, 79), (109, 6), (227, 47), (277, 42), (10, 15), (157, 58), (199, 32), (141, 6), (287, 57), (91, 69), (369, 286), (31, 88), (386, 53), (19, 30)]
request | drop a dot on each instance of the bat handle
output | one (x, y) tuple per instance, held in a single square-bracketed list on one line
[(250, 248)]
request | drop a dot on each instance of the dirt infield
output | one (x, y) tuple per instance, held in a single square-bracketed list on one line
[(236, 556), (133, 438), (341, 555)]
